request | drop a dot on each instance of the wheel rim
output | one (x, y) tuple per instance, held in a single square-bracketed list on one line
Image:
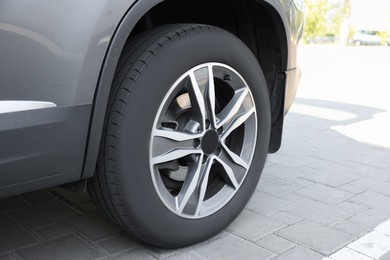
[(203, 140)]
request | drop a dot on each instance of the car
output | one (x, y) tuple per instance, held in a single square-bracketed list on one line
[(365, 37), (164, 111)]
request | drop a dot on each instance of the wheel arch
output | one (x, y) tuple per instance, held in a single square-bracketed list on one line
[(267, 38)]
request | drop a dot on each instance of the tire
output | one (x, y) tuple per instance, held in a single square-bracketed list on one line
[(175, 168)]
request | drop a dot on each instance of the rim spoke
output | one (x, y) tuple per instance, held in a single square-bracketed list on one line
[(203, 183), (197, 102), (229, 172), (174, 154), (232, 107), (192, 194), (176, 135), (190, 185), (210, 92), (235, 158), (236, 122), (169, 145)]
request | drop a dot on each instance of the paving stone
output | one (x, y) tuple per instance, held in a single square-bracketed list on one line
[(11, 203), (44, 214), (286, 218), (117, 244), (266, 204), (94, 227), (87, 207), (300, 253), (287, 160), (13, 236), (319, 212), (253, 226), (69, 196), (276, 244), (6, 257), (370, 218), (351, 208), (162, 253), (4, 218), (351, 228), (369, 171), (319, 164), (331, 151), (375, 158), (278, 187), (232, 247), (316, 236), (70, 247), (221, 235), (282, 172), (373, 200), (135, 254), (185, 256), (266, 179), (37, 197), (80, 201), (333, 179), (53, 231), (379, 186), (292, 198), (301, 182), (349, 254), (324, 194), (352, 188)]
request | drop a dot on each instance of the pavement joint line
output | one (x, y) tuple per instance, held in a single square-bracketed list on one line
[(90, 243), (71, 205), (25, 227), (26, 201), (370, 165)]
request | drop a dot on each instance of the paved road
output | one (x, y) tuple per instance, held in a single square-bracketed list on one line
[(325, 194)]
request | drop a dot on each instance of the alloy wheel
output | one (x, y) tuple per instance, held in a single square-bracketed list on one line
[(203, 140)]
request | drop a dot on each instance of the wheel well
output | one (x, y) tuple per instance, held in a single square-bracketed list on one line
[(256, 23)]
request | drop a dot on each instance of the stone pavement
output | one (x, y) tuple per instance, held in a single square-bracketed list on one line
[(326, 193)]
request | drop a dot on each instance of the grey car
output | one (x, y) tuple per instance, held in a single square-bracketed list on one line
[(365, 37), (164, 111)]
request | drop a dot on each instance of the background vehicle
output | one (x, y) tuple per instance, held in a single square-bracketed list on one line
[(364, 37), (163, 110)]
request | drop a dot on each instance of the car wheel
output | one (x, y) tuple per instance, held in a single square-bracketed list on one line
[(186, 135), (358, 43)]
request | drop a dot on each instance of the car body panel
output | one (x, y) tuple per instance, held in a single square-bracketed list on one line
[(65, 54), (53, 51), (42, 147)]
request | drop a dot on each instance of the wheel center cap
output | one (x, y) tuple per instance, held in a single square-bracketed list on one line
[(210, 141)]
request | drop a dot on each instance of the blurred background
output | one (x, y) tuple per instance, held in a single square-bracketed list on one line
[(348, 22), (345, 59)]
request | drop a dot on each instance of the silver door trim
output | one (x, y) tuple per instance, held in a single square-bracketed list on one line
[(9, 106)]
